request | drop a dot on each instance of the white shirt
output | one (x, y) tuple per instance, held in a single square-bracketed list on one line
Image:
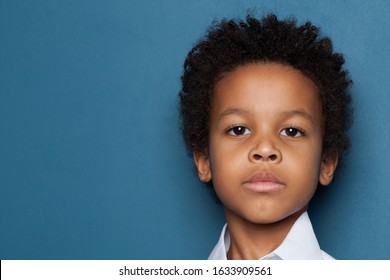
[(299, 244)]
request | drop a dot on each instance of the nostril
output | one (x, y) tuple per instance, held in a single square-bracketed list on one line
[(272, 157), (257, 157)]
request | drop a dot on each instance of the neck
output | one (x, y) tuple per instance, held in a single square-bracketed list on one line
[(252, 241)]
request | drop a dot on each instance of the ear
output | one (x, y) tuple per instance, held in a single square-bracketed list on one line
[(328, 167), (202, 162)]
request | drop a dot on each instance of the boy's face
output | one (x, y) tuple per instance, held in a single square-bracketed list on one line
[(265, 143)]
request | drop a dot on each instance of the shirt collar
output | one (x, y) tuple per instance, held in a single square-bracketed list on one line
[(299, 244)]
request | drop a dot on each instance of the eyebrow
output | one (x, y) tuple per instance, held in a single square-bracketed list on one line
[(301, 113), (233, 111), (285, 114)]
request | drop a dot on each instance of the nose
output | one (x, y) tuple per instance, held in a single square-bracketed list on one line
[(265, 151)]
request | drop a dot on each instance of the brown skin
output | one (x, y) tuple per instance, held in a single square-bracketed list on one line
[(265, 153)]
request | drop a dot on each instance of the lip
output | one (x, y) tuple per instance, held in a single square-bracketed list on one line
[(263, 182)]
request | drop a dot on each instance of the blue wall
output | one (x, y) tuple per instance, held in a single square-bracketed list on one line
[(92, 165)]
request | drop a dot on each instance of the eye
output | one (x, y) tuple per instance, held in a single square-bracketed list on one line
[(292, 132), (238, 130)]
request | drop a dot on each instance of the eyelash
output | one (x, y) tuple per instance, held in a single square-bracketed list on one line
[(230, 129), (298, 129)]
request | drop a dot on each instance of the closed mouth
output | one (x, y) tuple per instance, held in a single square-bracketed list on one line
[(263, 182)]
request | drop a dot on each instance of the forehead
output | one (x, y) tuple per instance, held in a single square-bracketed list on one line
[(266, 87)]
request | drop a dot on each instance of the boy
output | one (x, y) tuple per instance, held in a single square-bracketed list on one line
[(265, 112)]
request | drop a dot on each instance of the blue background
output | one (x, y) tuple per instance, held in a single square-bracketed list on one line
[(92, 164)]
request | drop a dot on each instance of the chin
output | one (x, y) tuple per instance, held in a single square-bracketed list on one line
[(262, 219), (269, 217)]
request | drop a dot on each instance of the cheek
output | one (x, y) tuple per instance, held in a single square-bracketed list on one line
[(224, 157), (313, 167), (305, 161), (224, 164)]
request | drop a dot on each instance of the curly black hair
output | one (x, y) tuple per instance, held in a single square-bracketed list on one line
[(232, 43)]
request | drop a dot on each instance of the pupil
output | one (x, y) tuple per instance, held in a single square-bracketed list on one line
[(291, 131), (238, 130)]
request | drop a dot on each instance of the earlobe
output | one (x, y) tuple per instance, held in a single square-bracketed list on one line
[(328, 167), (202, 163)]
